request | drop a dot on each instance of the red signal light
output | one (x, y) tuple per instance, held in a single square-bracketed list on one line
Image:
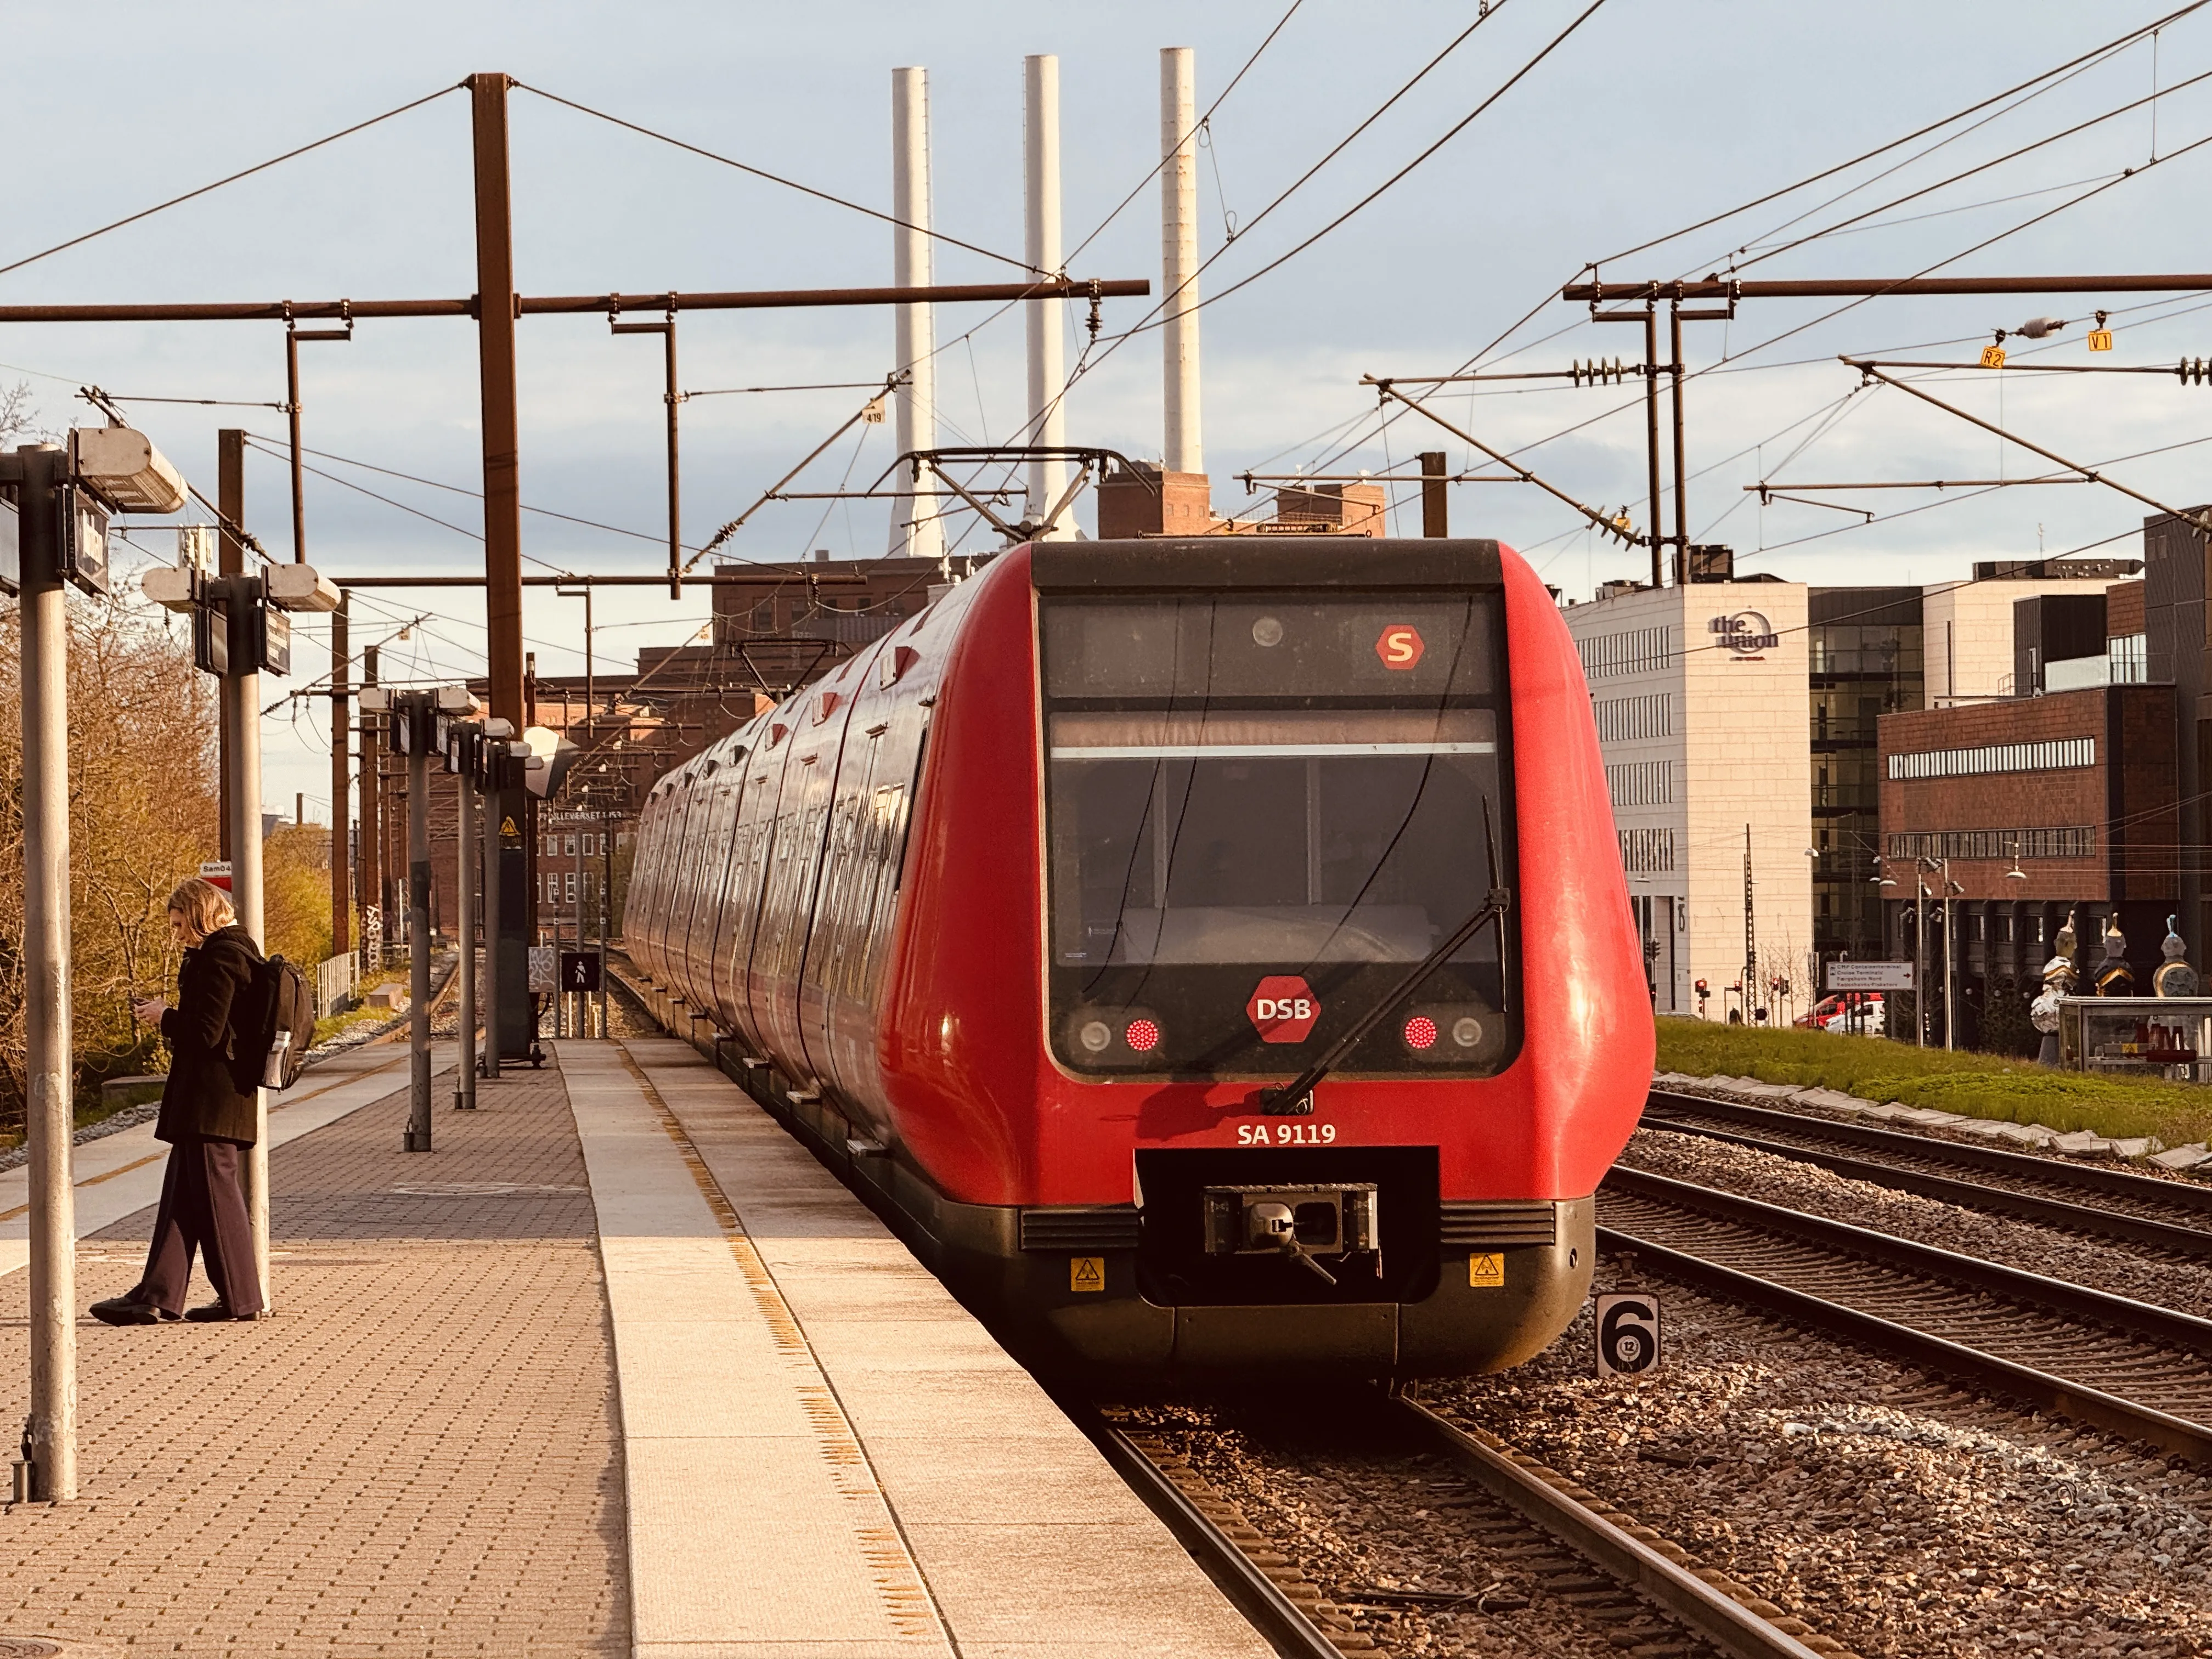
[(1421, 1032), (1143, 1035)]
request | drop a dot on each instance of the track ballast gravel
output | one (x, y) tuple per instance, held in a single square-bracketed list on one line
[(1890, 1512)]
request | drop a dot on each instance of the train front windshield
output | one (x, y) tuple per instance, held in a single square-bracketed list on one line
[(1264, 811)]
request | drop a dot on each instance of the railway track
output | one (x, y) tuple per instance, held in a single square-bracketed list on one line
[(2169, 1216), (1546, 1543), (2124, 1366)]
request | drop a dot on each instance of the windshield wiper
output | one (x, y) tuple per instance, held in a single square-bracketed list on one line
[(1295, 1098)]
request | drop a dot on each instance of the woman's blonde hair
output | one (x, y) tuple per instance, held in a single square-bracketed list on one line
[(204, 907)]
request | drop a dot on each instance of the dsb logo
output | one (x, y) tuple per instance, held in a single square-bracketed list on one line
[(1283, 1009)]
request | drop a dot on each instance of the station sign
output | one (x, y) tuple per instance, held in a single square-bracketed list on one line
[(1869, 977), (217, 873)]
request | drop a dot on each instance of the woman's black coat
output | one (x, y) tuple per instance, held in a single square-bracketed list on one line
[(212, 1031)]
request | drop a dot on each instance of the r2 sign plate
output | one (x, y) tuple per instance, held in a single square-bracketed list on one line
[(1627, 1334)]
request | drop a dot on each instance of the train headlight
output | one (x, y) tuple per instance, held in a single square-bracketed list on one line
[(1267, 631), (1448, 1034), (1097, 1035)]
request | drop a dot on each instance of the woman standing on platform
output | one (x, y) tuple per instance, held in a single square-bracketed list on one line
[(207, 1113)]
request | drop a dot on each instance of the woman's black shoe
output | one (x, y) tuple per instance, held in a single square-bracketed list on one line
[(215, 1313), (128, 1310)]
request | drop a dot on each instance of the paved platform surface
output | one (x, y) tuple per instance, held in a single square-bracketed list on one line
[(618, 1369), (416, 1456), (932, 1500)]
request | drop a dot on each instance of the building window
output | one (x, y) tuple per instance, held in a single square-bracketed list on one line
[(1964, 844), (1641, 783), (1647, 852), (2129, 657), (1625, 719), (2051, 756), (1635, 650)]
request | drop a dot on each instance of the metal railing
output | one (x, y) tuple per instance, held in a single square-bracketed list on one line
[(336, 978)]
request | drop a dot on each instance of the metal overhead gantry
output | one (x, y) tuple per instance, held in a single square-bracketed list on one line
[(1643, 299), (496, 307)]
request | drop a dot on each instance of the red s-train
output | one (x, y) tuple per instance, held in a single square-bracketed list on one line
[(1030, 912)]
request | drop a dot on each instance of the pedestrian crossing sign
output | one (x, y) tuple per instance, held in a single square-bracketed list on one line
[(1086, 1273), (1486, 1270)]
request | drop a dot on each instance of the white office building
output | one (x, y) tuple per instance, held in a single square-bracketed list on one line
[(1699, 694)]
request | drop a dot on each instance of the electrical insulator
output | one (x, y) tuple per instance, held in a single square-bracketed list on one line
[(2193, 371), (1598, 372)]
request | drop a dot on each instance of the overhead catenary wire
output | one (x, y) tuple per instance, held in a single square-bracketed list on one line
[(1155, 317), (232, 179), (2113, 45), (1728, 364), (2010, 155), (1153, 172), (774, 179)]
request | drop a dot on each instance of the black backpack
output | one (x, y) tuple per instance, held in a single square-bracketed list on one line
[(290, 1025)]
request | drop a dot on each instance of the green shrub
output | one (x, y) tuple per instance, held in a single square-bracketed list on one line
[(1978, 1086)]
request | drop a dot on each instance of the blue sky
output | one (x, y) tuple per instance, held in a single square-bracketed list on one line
[(1648, 118)]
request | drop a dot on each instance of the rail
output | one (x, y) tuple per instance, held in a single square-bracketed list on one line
[(2175, 1216), (1242, 1578), (2061, 1347), (1523, 1486)]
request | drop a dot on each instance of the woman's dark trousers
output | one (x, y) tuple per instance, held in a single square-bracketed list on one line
[(202, 1209)]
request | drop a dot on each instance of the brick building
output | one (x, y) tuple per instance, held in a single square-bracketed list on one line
[(776, 628), (2043, 805)]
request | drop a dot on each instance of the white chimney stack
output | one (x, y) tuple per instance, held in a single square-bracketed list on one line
[(915, 528), (1047, 423), (1184, 452)]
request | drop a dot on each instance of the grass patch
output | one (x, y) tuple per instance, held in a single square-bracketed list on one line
[(331, 1025), (1978, 1086)]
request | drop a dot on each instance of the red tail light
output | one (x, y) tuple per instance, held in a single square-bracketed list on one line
[(1421, 1032), (1143, 1035)]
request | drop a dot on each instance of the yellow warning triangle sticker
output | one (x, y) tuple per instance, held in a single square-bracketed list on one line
[(1486, 1270), (507, 827), (1086, 1273)]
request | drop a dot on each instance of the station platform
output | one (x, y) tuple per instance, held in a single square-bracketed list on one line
[(617, 1369)]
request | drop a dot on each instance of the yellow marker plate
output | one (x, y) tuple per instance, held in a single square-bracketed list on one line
[(1992, 356), (1485, 1271), (2100, 339), (1086, 1273)]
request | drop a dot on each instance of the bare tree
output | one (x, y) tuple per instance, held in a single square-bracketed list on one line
[(142, 809)]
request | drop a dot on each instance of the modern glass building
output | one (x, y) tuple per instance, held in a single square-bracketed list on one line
[(1865, 660)]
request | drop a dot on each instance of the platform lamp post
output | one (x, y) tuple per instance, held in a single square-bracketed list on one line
[(1940, 867), (1881, 880), (55, 533), (414, 718)]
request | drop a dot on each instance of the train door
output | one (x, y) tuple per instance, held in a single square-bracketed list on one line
[(867, 836), (722, 793), (761, 831)]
